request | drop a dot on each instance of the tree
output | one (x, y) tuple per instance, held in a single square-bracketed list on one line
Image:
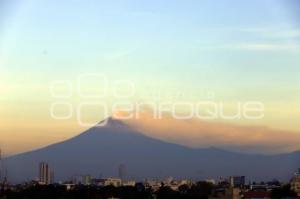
[(283, 191)]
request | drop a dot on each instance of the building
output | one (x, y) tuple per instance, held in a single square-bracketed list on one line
[(236, 193), (81, 179), (130, 183), (153, 184), (257, 195), (44, 174), (113, 181), (237, 181), (261, 191), (295, 183), (258, 187), (87, 180), (69, 186), (211, 181), (4, 184), (107, 182)]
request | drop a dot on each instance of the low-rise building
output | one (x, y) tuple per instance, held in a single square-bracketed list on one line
[(257, 195), (112, 181), (128, 183)]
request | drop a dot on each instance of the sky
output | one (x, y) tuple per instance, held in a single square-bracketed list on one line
[(227, 51)]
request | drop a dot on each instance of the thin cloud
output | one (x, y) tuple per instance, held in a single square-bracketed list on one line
[(265, 47), (260, 39), (272, 33)]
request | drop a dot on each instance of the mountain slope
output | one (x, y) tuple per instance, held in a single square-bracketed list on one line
[(100, 150)]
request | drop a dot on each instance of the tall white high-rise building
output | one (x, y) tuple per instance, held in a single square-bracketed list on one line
[(44, 173)]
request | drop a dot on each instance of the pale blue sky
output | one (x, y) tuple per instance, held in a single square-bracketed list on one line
[(228, 42)]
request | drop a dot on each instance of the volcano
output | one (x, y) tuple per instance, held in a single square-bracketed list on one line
[(100, 150)]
